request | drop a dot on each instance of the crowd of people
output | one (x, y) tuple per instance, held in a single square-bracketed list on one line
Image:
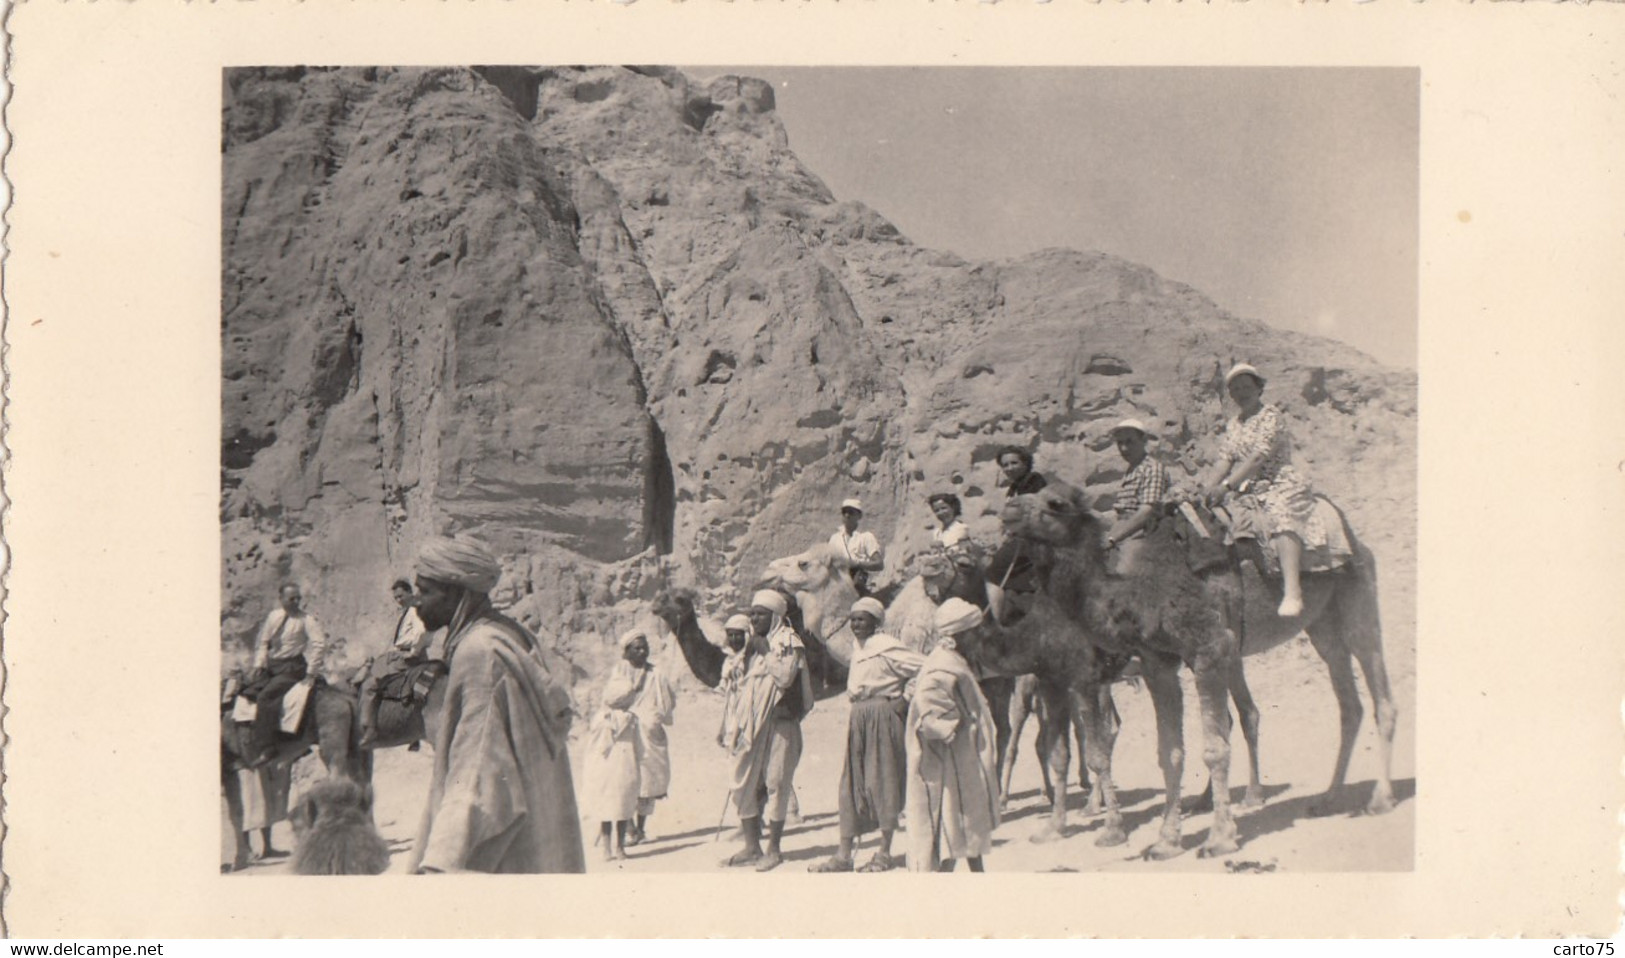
[(920, 747)]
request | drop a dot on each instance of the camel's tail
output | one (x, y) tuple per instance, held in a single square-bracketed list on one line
[(1363, 566), (1364, 560)]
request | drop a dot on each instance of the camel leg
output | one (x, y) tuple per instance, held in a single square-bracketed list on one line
[(1213, 688), (1097, 715), (1382, 698), (1328, 642), (1247, 712), (1168, 702), (1020, 708), (1096, 696), (1000, 697), (1041, 749), (1361, 628), (1053, 718), (1079, 734), (231, 785)]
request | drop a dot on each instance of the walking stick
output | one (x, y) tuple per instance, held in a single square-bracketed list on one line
[(722, 816)]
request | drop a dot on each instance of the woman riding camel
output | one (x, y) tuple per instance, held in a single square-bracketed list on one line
[(1269, 497), (946, 507)]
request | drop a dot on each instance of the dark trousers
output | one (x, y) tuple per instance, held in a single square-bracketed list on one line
[(283, 675)]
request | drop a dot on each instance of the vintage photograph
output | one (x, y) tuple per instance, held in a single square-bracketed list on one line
[(724, 468)]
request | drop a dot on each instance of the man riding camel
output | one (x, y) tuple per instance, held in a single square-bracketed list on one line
[(409, 648), (291, 645), (859, 550), (1139, 495)]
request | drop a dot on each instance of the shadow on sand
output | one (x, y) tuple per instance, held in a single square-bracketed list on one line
[(1349, 802)]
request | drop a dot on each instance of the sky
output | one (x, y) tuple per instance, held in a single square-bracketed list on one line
[(1287, 195)]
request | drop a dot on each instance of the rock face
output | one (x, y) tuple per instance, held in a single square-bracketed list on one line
[(607, 320)]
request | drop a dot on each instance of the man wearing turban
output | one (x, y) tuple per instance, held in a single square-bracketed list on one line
[(501, 798), (654, 703), (953, 783), (763, 731), (871, 793)]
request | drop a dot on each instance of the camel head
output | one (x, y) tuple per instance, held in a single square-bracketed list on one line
[(808, 571), (1058, 515), (675, 605)]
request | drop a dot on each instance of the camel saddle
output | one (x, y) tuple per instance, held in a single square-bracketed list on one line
[(1337, 553), (1204, 534), (411, 685), (244, 709)]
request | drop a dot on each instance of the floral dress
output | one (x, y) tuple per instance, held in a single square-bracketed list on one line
[(1278, 498)]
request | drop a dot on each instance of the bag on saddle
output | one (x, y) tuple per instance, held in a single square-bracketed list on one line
[(401, 696), (244, 709), (411, 686), (293, 705)]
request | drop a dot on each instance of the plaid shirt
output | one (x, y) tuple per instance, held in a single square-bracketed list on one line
[(1144, 485)]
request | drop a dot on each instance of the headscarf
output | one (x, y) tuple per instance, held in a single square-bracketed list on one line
[(771, 600), (468, 564), (632, 635), (871, 607), (956, 615), (461, 561), (738, 623)]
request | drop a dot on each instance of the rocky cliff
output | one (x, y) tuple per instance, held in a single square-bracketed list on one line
[(605, 318)]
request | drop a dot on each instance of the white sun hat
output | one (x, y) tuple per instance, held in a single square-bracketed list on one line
[(1242, 369)]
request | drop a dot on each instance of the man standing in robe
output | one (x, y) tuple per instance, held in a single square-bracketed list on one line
[(871, 792), (953, 782), (765, 729), (737, 632), (501, 798), (654, 705), (614, 755)]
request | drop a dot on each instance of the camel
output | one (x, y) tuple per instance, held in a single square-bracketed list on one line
[(678, 609), (332, 725), (1167, 614), (823, 591), (334, 833)]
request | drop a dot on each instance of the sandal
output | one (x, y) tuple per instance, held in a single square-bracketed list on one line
[(835, 864), (741, 859), (882, 862)]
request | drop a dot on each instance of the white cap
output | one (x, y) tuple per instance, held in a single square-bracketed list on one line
[(856, 504), (1134, 424), (1242, 369)]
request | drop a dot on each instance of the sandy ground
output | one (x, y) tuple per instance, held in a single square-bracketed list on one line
[(1299, 741)]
